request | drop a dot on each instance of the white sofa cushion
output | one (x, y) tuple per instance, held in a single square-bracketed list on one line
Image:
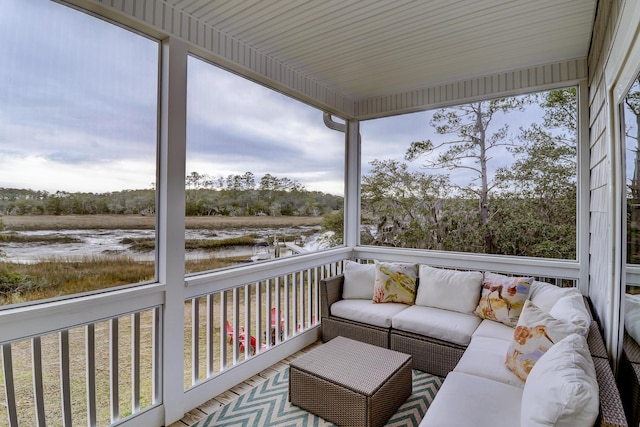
[(485, 358), (545, 295), (562, 390), (492, 329), (449, 289), (571, 308), (437, 323), (366, 311), (358, 280), (467, 400)]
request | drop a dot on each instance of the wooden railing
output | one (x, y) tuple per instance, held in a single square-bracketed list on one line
[(98, 360), (230, 326), (92, 374)]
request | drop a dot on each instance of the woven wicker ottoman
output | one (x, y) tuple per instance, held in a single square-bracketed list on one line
[(350, 383)]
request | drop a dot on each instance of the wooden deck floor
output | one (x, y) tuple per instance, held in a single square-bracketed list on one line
[(214, 404)]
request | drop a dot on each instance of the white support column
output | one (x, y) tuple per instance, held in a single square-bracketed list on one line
[(621, 69), (352, 184), (583, 204), (171, 221)]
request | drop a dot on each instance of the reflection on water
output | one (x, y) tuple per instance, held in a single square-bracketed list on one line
[(110, 242)]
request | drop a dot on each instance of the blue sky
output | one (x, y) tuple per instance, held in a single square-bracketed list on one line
[(78, 113)]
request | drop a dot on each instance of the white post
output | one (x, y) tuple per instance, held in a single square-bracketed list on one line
[(170, 219), (583, 203), (352, 185)]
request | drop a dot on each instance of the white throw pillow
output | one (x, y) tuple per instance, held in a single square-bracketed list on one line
[(358, 280), (449, 289), (572, 309), (545, 295), (632, 316), (562, 390)]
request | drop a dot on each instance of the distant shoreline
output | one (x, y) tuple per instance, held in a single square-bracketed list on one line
[(130, 222)]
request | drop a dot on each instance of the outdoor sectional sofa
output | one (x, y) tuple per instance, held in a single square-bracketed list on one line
[(443, 329)]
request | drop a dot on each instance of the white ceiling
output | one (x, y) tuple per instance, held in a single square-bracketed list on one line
[(366, 48)]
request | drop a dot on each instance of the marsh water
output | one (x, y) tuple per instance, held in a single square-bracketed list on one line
[(100, 242)]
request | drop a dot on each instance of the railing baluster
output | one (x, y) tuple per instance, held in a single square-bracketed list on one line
[(311, 278), (223, 324), (38, 389), (287, 307), (259, 302), (114, 376), (235, 312), (295, 285), (211, 334), (9, 387), (268, 302), (195, 341), (315, 295), (156, 350), (90, 345), (65, 380), (247, 320), (278, 314), (135, 362)]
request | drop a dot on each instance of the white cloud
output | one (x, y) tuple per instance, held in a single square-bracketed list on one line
[(238, 126), (39, 173)]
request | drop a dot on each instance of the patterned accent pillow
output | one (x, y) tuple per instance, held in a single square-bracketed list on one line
[(503, 297), (537, 331), (395, 282)]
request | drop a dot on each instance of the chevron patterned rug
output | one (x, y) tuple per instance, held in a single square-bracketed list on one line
[(268, 405)]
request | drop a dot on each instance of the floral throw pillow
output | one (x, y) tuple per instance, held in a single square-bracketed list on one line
[(503, 297), (395, 282), (537, 331)]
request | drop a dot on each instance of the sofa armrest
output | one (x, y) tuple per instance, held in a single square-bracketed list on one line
[(330, 292), (611, 409), (596, 342)]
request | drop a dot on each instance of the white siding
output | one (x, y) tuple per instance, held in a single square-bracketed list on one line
[(602, 250)]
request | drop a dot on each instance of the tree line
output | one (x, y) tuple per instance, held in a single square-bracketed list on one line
[(235, 195), (524, 208)]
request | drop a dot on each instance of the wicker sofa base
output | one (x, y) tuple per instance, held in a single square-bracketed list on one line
[(351, 383), (334, 327), (429, 355), (611, 411), (629, 379)]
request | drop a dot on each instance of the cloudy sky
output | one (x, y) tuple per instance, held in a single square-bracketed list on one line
[(78, 112)]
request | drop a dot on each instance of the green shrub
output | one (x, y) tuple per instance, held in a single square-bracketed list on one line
[(12, 282)]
